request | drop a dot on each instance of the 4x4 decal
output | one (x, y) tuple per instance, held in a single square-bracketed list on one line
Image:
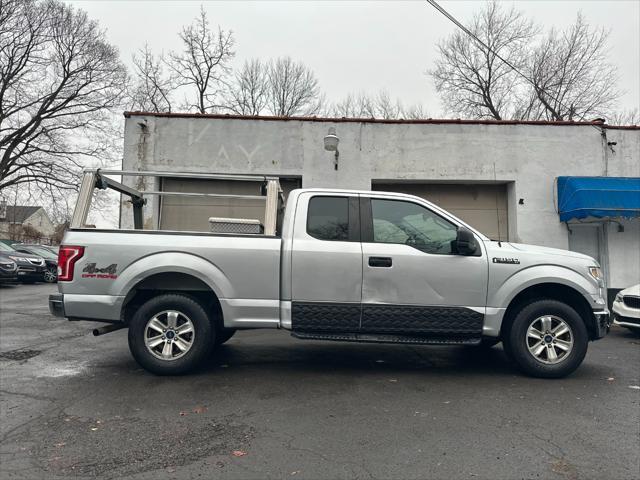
[(91, 271)]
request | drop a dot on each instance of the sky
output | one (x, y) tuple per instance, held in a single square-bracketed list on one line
[(356, 46)]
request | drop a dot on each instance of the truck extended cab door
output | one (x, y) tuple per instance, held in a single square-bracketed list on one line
[(413, 282), (326, 263)]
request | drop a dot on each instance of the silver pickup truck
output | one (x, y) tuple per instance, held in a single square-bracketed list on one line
[(339, 265)]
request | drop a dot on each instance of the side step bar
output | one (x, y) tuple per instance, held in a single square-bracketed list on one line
[(385, 338)]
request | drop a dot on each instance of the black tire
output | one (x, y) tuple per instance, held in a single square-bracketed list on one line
[(52, 277), (224, 335), (516, 347), (634, 330), (203, 339), (489, 342)]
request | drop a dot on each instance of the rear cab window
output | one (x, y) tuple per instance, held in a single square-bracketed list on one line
[(328, 218)]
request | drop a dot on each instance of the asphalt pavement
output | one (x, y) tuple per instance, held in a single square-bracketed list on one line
[(270, 406)]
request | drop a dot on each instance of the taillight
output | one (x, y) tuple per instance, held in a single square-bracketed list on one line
[(67, 258)]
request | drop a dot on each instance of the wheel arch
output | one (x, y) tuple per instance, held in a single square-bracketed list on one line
[(552, 291), (172, 272), (172, 282), (173, 262)]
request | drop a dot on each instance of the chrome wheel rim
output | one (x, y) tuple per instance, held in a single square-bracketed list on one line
[(49, 276), (549, 339), (169, 335)]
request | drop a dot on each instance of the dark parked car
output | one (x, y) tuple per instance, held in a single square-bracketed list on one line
[(31, 268), (50, 259), (8, 269)]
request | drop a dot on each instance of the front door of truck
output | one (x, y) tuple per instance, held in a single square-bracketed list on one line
[(413, 282), (326, 264)]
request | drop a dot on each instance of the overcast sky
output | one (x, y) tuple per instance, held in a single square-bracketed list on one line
[(359, 46)]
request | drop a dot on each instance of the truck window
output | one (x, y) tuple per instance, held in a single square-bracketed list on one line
[(395, 221), (328, 218)]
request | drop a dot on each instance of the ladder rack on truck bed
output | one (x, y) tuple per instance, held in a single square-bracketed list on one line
[(97, 179)]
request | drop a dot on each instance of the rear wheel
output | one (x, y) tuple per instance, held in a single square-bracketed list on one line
[(170, 335), (547, 339)]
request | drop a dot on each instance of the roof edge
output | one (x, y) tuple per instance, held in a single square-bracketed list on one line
[(597, 123)]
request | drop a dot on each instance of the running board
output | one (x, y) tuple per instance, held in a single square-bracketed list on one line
[(382, 338)]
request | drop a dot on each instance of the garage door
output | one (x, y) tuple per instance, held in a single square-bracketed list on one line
[(192, 213), (482, 206)]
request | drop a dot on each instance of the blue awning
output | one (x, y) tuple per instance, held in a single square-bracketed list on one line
[(599, 197)]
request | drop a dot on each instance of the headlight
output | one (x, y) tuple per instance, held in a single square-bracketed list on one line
[(596, 273), (618, 298), (18, 259)]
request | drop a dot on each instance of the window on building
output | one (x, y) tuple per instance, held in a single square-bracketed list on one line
[(328, 218), (395, 221)]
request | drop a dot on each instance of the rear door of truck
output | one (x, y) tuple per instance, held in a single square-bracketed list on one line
[(326, 263)]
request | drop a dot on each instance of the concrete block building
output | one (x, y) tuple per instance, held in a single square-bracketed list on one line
[(499, 176)]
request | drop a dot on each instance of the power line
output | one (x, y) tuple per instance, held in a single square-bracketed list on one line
[(435, 5)]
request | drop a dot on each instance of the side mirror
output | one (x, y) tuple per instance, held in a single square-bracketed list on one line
[(465, 242)]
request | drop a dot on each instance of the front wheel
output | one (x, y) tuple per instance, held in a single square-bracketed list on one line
[(547, 339), (170, 334), (50, 275)]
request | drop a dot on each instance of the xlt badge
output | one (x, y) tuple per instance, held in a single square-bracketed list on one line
[(506, 260)]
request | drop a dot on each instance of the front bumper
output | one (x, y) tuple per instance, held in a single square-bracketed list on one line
[(602, 323), (56, 305), (31, 273), (6, 276), (628, 322)]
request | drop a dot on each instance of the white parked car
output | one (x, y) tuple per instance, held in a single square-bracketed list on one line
[(626, 308)]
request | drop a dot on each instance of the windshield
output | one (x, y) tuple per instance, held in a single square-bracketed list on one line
[(5, 248)]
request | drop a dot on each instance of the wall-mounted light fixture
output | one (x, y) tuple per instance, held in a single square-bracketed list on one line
[(331, 141)]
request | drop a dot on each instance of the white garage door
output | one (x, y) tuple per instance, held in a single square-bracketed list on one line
[(192, 213), (482, 206)]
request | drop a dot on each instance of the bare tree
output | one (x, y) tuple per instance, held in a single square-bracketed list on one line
[(472, 80), (380, 105), (152, 88), (362, 105), (346, 108), (571, 75), (59, 83), (203, 63), (293, 89), (386, 107), (415, 112), (249, 92), (625, 117)]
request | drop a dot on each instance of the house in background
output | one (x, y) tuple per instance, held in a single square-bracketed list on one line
[(25, 223)]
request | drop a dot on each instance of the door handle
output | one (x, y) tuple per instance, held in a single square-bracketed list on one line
[(380, 262)]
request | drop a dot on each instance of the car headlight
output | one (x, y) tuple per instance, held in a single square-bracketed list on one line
[(618, 298), (596, 272), (18, 259)]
